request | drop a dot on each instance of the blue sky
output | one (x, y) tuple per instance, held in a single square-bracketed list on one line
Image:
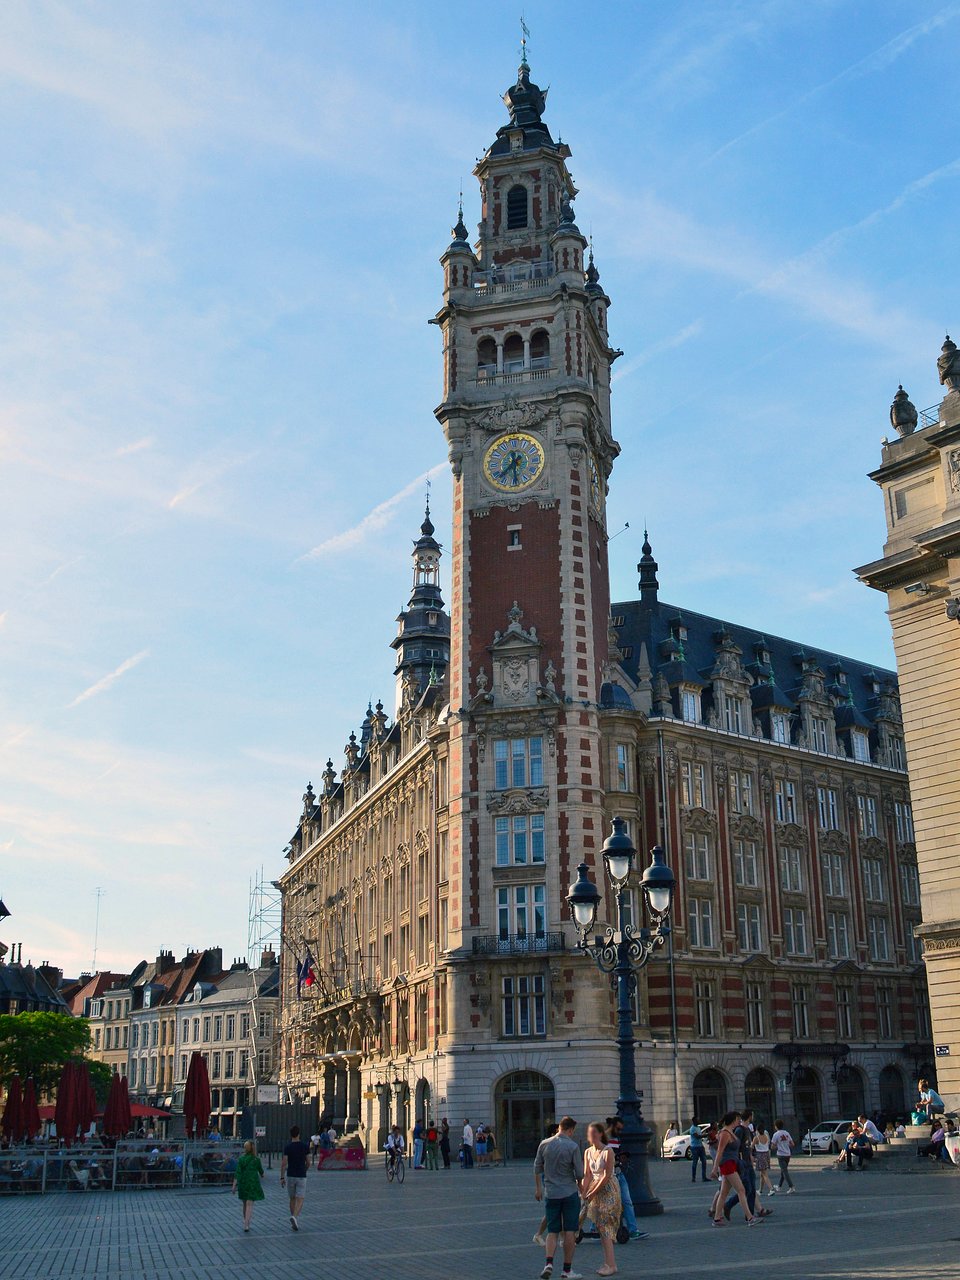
[(218, 252)]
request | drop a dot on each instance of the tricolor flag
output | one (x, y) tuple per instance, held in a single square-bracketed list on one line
[(306, 976)]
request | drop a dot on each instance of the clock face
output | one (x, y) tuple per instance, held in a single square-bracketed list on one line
[(513, 462), (596, 484)]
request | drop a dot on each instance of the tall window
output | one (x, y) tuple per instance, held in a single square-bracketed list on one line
[(623, 767), (785, 800), (791, 869), (861, 746), (801, 1011), (133, 1073), (185, 1031), (745, 863), (867, 815), (215, 1072), (231, 1031), (749, 932), (519, 840), (903, 821), (524, 1005), (206, 1030), (923, 1016), (218, 1027), (780, 727), (243, 1066), (516, 208), (703, 998), (878, 938), (696, 847), (244, 1025), (741, 791), (732, 714), (914, 945), (690, 706), (834, 881), (183, 1066), (838, 940), (229, 1061), (897, 754), (909, 884), (873, 879), (795, 930), (517, 762), (827, 809), (818, 734), (693, 785), (845, 1013), (754, 1001), (522, 910), (884, 1013), (700, 922)]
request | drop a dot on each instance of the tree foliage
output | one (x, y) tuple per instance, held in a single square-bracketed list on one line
[(39, 1045), (100, 1077)]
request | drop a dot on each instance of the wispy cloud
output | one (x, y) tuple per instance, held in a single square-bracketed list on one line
[(136, 446), (206, 475), (657, 349), (378, 518), (106, 681)]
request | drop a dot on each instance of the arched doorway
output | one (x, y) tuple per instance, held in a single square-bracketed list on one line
[(422, 1102), (383, 1115), (526, 1113), (760, 1095), (891, 1093), (403, 1110), (850, 1093), (807, 1102), (709, 1095)]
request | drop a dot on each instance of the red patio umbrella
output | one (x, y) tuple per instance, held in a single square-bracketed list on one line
[(12, 1123), (29, 1111), (67, 1112), (116, 1115), (196, 1096)]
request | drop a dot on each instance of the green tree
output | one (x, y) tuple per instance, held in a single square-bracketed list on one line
[(39, 1045), (100, 1077)]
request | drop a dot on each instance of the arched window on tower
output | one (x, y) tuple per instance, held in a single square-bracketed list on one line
[(516, 208), (540, 350), (486, 359), (513, 354)]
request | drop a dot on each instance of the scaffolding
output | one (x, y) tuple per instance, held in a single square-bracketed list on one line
[(264, 918)]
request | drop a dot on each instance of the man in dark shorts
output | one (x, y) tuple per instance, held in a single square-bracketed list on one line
[(557, 1173), (293, 1174)]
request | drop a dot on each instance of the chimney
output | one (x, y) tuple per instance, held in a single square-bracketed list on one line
[(164, 961), (268, 958), (212, 962)]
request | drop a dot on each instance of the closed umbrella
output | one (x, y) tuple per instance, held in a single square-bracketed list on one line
[(196, 1096), (12, 1125), (116, 1115), (29, 1111), (67, 1113)]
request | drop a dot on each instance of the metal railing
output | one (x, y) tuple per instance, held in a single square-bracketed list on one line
[(490, 378), (539, 274), (517, 944), (33, 1170), (929, 417)]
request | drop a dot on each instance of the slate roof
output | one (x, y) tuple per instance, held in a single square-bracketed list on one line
[(27, 990)]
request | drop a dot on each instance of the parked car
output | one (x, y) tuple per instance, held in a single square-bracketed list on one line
[(678, 1148), (829, 1136)]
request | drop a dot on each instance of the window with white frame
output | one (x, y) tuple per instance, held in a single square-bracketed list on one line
[(745, 863), (135, 1036), (623, 767), (700, 922), (753, 993), (861, 746), (693, 785), (243, 1066), (522, 910), (884, 1013), (524, 1005), (779, 727), (696, 849), (873, 879), (791, 869), (877, 936), (801, 1011), (897, 754), (517, 762), (749, 929), (690, 706), (703, 999), (133, 1073), (231, 1029), (785, 800), (909, 884), (828, 811), (834, 878), (185, 1031), (732, 713), (741, 791), (519, 840), (903, 821), (844, 1013), (867, 815), (218, 1027), (183, 1066), (795, 931), (215, 1072), (819, 736), (838, 938)]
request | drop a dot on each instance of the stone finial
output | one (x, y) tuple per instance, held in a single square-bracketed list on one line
[(903, 413), (329, 778), (948, 365), (309, 799), (459, 232)]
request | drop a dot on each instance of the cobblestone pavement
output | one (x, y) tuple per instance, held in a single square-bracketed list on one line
[(478, 1224)]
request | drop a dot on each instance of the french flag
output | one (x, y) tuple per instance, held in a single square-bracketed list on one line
[(306, 975)]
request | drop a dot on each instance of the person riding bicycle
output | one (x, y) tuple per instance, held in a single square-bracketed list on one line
[(395, 1144)]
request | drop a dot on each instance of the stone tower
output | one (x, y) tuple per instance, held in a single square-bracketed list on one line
[(422, 642)]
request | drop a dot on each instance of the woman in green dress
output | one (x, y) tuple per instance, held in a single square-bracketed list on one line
[(246, 1181)]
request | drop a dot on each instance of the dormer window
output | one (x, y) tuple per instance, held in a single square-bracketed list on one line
[(690, 706), (842, 678), (432, 618), (861, 746), (517, 206), (678, 630), (732, 714)]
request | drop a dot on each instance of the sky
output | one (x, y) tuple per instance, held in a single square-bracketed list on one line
[(219, 237)]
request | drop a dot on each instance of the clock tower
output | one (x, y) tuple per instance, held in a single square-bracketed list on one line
[(526, 416)]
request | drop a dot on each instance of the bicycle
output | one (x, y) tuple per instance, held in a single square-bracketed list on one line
[(394, 1165)]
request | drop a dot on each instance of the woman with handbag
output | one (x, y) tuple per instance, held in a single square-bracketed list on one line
[(725, 1168), (601, 1194)]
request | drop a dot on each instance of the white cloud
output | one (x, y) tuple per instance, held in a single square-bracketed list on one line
[(106, 681), (657, 349), (374, 520)]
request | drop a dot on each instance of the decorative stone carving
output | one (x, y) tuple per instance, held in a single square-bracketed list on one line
[(903, 414), (948, 365), (746, 827), (512, 414), (721, 773), (532, 800), (699, 821), (872, 847), (833, 842), (953, 470), (789, 833), (766, 782)]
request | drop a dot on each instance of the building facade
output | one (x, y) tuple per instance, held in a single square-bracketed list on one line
[(429, 962), (920, 574)]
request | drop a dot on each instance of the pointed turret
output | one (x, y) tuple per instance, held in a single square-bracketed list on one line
[(422, 642), (647, 568)]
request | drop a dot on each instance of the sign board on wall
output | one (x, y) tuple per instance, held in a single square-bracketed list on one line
[(942, 1050), (268, 1093), (260, 1131)]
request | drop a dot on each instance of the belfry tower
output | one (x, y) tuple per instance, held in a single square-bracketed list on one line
[(526, 416), (422, 642)]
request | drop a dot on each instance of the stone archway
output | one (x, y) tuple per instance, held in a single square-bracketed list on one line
[(892, 1102), (807, 1097), (851, 1095), (525, 1104), (760, 1095), (710, 1095), (422, 1104)]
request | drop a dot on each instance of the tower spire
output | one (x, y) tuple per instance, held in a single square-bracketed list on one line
[(524, 37), (647, 568)]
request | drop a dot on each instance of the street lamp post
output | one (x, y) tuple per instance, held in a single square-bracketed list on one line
[(622, 951)]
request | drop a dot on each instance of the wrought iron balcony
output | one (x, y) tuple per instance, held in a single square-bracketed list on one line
[(929, 417), (517, 944)]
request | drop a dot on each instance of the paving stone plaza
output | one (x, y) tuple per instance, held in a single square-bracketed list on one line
[(479, 1224)]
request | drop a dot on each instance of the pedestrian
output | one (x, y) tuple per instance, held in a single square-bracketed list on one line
[(698, 1152), (418, 1132), (672, 1132), (293, 1174), (930, 1101), (247, 1181), (466, 1147), (480, 1146), (725, 1168), (744, 1134), (782, 1144), (315, 1149), (332, 1135), (614, 1132), (601, 1194), (445, 1142), (557, 1175), (761, 1159), (432, 1137)]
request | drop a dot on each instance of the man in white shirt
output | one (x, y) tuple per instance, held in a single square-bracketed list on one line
[(467, 1145), (782, 1144), (870, 1129)]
